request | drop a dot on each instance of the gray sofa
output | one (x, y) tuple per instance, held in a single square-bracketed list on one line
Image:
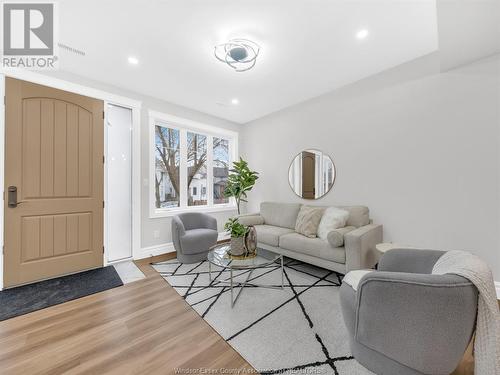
[(403, 320), (275, 225), (193, 233)]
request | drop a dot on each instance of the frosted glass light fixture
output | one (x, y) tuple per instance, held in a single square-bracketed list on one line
[(239, 54)]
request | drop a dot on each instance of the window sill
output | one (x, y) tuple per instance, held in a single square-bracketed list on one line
[(175, 211)]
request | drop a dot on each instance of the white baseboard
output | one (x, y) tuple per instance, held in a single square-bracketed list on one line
[(154, 250), (124, 260), (497, 287), (165, 248)]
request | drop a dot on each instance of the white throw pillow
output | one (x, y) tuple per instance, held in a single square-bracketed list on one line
[(308, 220), (333, 218)]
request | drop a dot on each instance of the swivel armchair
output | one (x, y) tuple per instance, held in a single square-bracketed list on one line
[(404, 320), (193, 233)]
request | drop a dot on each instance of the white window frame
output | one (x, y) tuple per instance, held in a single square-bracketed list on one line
[(184, 126)]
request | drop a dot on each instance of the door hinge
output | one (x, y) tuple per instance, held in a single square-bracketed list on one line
[(103, 249), (4, 100), (103, 115), (103, 204), (103, 159)]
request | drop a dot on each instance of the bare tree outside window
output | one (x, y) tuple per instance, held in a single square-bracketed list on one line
[(197, 168), (167, 177), (167, 163)]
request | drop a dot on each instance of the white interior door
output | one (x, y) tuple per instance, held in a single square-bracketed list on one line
[(119, 183)]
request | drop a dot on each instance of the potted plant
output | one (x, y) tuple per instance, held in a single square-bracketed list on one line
[(238, 232), (240, 181)]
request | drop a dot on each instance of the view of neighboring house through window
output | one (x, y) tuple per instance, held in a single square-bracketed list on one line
[(221, 169), (197, 168), (167, 163)]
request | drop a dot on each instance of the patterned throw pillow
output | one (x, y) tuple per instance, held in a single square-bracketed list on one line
[(333, 218), (308, 220)]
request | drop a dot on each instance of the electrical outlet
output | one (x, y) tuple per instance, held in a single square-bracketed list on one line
[(156, 234)]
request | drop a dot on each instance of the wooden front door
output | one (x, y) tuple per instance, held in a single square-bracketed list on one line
[(54, 171)]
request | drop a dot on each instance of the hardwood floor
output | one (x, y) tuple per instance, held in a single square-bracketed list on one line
[(140, 328), (143, 327)]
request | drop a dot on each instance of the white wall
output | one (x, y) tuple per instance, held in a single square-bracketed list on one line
[(418, 147), (150, 225), (468, 30)]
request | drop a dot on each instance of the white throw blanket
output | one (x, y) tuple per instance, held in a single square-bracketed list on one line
[(487, 341), (354, 277)]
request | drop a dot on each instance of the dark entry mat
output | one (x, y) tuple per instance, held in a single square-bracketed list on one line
[(27, 298)]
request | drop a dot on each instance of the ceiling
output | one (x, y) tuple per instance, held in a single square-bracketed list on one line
[(308, 47)]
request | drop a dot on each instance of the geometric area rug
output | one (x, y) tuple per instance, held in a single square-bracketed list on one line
[(298, 329)]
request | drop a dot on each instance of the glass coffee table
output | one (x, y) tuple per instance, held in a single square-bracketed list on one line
[(218, 256)]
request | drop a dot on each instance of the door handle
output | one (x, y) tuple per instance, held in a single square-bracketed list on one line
[(12, 197)]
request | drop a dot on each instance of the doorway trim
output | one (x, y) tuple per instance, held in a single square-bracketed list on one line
[(108, 98)]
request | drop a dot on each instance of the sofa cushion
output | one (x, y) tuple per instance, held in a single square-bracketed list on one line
[(358, 215), (336, 236), (333, 218), (308, 220), (280, 214), (270, 235), (252, 219), (315, 247)]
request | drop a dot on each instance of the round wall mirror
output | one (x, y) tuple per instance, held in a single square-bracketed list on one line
[(311, 174)]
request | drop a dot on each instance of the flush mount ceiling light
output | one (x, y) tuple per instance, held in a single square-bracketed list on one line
[(239, 54)]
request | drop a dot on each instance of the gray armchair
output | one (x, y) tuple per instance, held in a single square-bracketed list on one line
[(403, 320), (193, 233)]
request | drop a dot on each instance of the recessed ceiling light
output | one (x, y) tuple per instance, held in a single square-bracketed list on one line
[(133, 60), (362, 34), (235, 101)]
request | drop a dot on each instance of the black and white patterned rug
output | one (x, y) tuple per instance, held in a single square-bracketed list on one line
[(297, 329)]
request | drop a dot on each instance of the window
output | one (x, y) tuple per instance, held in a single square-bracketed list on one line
[(189, 165), (167, 163), (221, 169), (197, 166)]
